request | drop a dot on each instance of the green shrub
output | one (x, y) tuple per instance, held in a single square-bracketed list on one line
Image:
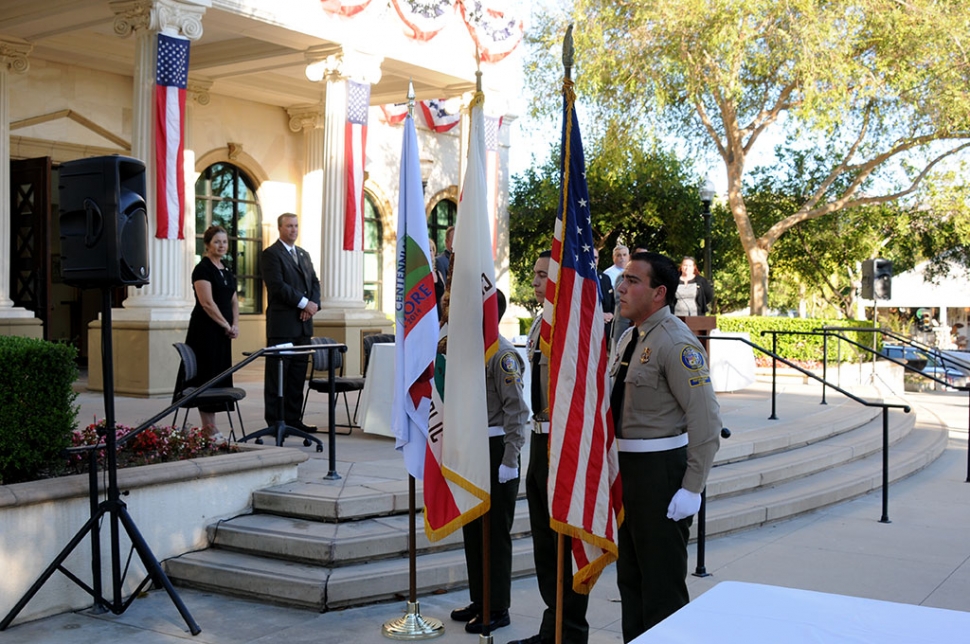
[(804, 348), (37, 410)]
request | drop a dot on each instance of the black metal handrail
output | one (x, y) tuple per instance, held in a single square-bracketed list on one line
[(908, 367), (868, 403)]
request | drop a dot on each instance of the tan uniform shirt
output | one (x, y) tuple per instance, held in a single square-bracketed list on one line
[(669, 392), (506, 401), (541, 414)]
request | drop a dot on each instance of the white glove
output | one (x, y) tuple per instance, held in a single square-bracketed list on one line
[(684, 504), (506, 473)]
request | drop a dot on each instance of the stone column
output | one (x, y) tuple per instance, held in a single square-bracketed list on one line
[(156, 315), (14, 320), (342, 314)]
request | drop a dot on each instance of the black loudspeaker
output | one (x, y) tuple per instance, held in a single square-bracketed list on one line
[(104, 222), (877, 279)]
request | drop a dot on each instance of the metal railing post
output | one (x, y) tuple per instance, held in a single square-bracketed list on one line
[(825, 363), (885, 466)]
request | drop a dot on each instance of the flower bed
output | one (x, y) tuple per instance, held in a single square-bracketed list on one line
[(171, 503)]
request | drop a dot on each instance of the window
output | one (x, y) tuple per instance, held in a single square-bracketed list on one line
[(225, 196), (373, 254), (442, 216)]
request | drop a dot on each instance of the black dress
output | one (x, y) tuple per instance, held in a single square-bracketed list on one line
[(213, 348)]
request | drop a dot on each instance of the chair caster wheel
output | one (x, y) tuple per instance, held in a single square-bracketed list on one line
[(258, 441), (319, 448), (306, 442)]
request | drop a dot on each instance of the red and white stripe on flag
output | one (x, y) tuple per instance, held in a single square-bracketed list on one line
[(171, 76), (416, 319), (585, 495), (355, 143), (456, 475), (437, 117)]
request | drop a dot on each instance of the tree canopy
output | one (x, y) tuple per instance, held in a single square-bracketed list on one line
[(876, 87)]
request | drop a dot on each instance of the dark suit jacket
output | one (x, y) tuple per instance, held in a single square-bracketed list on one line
[(286, 285), (606, 290)]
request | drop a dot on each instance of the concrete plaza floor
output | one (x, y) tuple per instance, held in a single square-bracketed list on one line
[(922, 557)]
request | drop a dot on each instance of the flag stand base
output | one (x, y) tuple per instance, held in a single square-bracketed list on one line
[(411, 626)]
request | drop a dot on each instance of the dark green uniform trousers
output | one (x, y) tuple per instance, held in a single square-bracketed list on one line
[(500, 537), (544, 541), (651, 571)]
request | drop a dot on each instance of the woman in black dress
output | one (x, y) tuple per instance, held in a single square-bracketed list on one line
[(215, 319)]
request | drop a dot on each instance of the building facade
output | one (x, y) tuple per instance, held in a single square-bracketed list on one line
[(265, 117)]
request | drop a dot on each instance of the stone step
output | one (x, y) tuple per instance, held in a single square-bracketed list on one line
[(813, 456), (336, 544), (323, 588), (916, 450)]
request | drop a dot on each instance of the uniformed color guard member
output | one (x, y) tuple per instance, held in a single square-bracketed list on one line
[(667, 425), (508, 418), (544, 538)]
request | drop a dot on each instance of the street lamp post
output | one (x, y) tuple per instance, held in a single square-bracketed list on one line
[(707, 196)]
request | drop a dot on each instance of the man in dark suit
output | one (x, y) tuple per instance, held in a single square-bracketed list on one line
[(443, 261), (294, 297), (609, 299)]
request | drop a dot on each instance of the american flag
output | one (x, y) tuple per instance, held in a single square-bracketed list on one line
[(355, 143), (437, 117), (584, 474), (456, 467), (172, 73), (416, 319)]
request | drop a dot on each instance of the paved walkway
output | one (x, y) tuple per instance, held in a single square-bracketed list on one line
[(922, 557)]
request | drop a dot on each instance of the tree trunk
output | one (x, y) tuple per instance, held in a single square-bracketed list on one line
[(758, 261)]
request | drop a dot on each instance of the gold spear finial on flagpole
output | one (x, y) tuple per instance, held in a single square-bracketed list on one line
[(410, 98), (567, 52)]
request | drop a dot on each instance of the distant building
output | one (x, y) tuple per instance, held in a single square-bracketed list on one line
[(266, 108)]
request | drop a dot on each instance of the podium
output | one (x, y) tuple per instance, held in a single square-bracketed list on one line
[(701, 326)]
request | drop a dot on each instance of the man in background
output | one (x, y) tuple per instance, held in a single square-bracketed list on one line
[(294, 297)]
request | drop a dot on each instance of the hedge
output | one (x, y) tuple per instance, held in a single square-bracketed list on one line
[(37, 410), (800, 347)]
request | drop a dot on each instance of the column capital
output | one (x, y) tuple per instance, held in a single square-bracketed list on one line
[(329, 63), (183, 17), (306, 117), (13, 54)]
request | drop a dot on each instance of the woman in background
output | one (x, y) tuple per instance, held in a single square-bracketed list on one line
[(215, 320), (694, 293)]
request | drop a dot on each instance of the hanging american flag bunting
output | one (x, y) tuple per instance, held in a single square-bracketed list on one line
[(171, 76), (437, 117), (355, 142), (394, 113), (344, 7), (585, 495)]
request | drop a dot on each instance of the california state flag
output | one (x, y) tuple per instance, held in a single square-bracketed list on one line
[(456, 471)]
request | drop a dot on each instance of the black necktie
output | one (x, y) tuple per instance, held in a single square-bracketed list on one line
[(619, 386), (537, 407)]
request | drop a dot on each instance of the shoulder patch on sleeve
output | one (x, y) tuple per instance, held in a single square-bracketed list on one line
[(509, 363), (691, 358)]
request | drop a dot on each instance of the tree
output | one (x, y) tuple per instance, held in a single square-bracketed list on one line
[(639, 195), (880, 85)]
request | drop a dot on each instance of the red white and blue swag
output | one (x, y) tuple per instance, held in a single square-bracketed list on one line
[(171, 76), (437, 116), (355, 143)]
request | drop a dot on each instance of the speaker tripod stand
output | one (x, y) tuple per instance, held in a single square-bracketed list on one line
[(112, 508)]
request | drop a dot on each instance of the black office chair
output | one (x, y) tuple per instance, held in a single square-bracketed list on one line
[(229, 397), (321, 383)]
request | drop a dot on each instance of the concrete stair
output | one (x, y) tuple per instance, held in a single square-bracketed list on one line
[(329, 547)]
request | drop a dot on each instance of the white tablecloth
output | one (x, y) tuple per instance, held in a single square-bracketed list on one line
[(378, 394), (741, 613), (732, 362)]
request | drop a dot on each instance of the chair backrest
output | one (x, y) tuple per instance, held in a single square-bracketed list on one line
[(189, 364), (321, 357), (370, 341)]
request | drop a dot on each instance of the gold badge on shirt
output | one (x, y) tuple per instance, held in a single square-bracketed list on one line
[(645, 356)]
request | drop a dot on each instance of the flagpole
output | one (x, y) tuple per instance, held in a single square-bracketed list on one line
[(567, 63), (411, 625)]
